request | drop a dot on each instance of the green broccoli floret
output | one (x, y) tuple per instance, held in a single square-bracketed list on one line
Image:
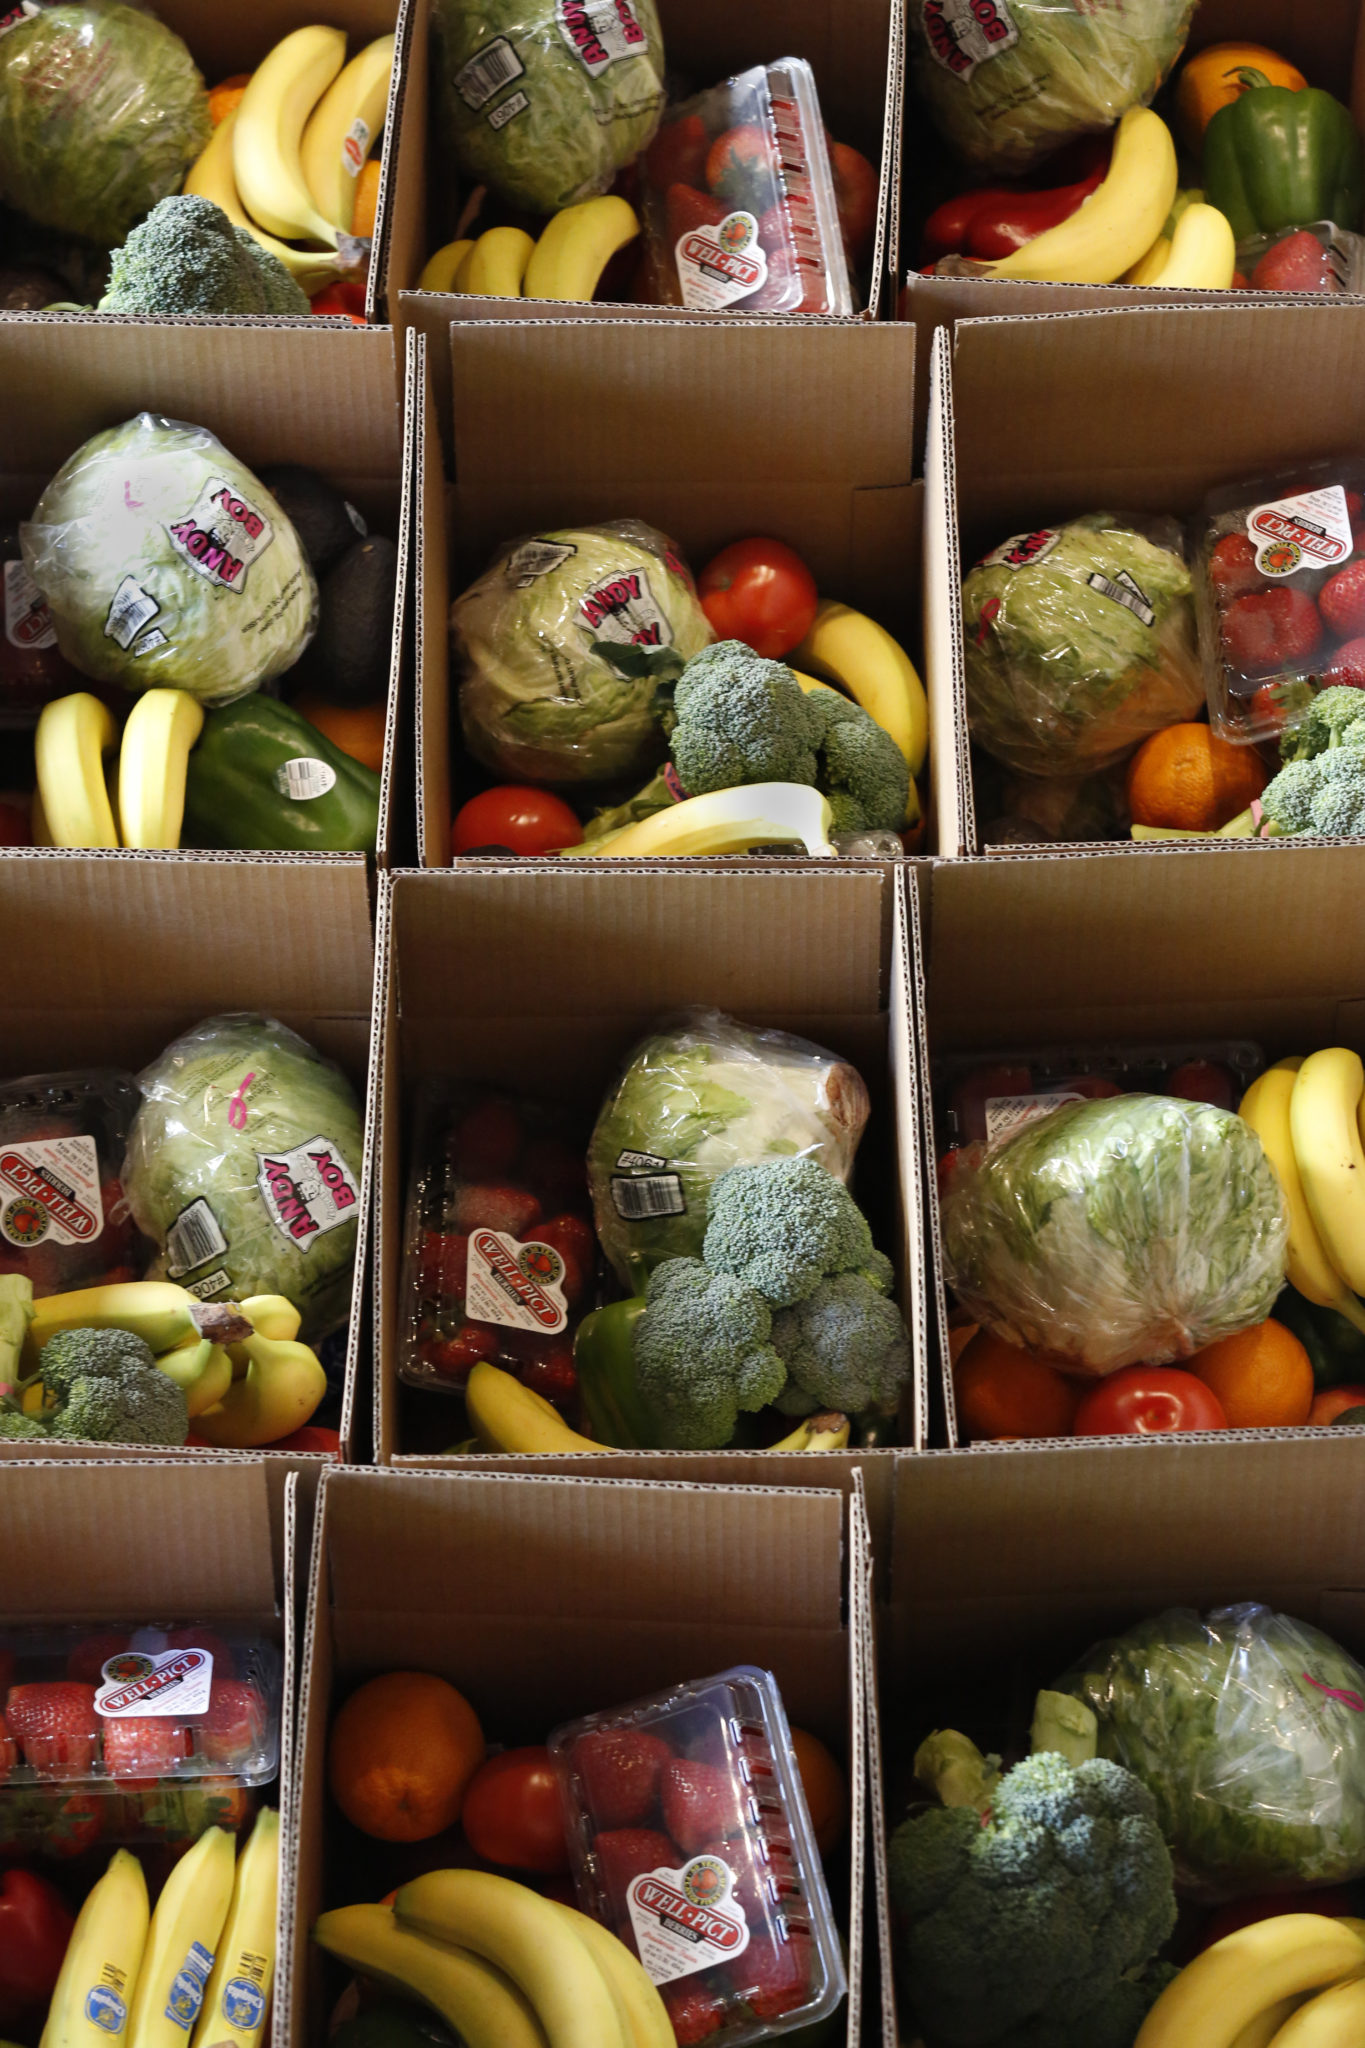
[(861, 769), (784, 1226), (1329, 719), (13, 1424), (108, 1388), (1035, 1914), (702, 1354), (186, 257), (844, 1347), (740, 719), (1114, 2023)]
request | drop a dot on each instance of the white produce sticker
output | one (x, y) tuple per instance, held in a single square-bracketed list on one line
[(519, 1286), (717, 266), (686, 1920), (1005, 1113), (623, 607), (355, 147), (304, 779), (1308, 532), (600, 32), (129, 610), (221, 535), (50, 1189), (961, 34), (141, 1685), (307, 1191), (1123, 589), (28, 622), (536, 558)]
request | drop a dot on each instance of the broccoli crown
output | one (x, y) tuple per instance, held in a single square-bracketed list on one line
[(1323, 794), (740, 719), (702, 1353), (187, 257), (1287, 799), (109, 1389), (1036, 1913), (13, 1424), (861, 769), (1330, 718), (784, 1226), (844, 1347)]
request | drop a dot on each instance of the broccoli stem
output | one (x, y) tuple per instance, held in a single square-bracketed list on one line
[(1064, 1726), (1243, 826), (952, 1767)]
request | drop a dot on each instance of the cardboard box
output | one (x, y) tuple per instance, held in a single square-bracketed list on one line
[(855, 50), (1003, 1573), (573, 966), (798, 429), (320, 393), (1093, 948), (112, 955), (1044, 418), (543, 1598), (1325, 41)]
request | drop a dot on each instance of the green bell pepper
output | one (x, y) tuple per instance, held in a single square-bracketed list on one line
[(604, 1358), (263, 779), (1335, 1348), (1279, 159)]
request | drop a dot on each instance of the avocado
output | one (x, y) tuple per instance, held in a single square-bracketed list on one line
[(348, 662), (326, 525), (1349, 1418)]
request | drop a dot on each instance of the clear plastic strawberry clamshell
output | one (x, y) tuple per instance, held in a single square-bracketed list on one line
[(690, 1837)]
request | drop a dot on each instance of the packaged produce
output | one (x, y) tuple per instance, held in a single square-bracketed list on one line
[(1079, 642), (561, 647), (690, 1838), (1248, 1728), (32, 668), (1319, 257), (165, 562), (261, 775), (987, 1095), (1279, 156), (64, 1218), (499, 1254), (739, 203), (545, 100), (244, 1166)]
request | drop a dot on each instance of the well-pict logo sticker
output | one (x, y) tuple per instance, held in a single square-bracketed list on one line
[(50, 1187), (519, 1286), (170, 1683), (719, 265), (1312, 531), (307, 1191), (686, 1920), (221, 535)]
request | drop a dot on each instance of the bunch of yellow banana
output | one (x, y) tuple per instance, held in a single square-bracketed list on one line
[(506, 1416), (724, 821), (79, 803), (1309, 1115), (503, 1966), (1115, 227), (103, 1958), (566, 263), (1196, 248), (1297, 1981)]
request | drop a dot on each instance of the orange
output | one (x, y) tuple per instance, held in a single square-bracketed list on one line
[(1189, 780), (226, 95), (1263, 1377), (358, 729), (366, 199), (1004, 1392), (402, 1752), (825, 1787)]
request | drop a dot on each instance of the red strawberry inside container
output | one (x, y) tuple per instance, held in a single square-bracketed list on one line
[(620, 1769), (1346, 670), (9, 1749), (492, 1205), (1271, 629), (1342, 601), (773, 1977), (87, 1659), (623, 1854), (56, 1727), (701, 1803), (144, 1746), (1299, 263), (224, 1663), (694, 2008), (1232, 567), (233, 1729)]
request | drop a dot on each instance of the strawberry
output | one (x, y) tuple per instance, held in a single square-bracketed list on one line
[(773, 1977), (75, 1824), (144, 1746), (694, 2010), (1342, 601), (56, 1727), (1232, 567), (492, 1205), (9, 1749), (1347, 666), (620, 1769), (677, 155), (687, 209), (443, 1265), (224, 1663), (1297, 264), (234, 1726), (742, 167), (87, 1660), (1270, 629), (455, 1357), (624, 1854), (553, 1376), (487, 1140), (572, 1237), (701, 1803)]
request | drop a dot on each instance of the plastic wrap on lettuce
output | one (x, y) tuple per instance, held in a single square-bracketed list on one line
[(1248, 1728), (562, 646), (546, 100), (1079, 642), (1138, 1228), (1009, 81), (703, 1093), (102, 112)]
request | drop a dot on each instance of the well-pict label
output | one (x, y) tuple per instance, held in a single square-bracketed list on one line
[(687, 1920), (28, 622), (623, 607), (221, 535), (138, 1684), (50, 1191), (1005, 1113), (1308, 532), (599, 32), (519, 1286), (1021, 549), (717, 266), (307, 1191), (961, 34), (304, 779)]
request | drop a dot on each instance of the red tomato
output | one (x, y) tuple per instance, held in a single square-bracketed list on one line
[(35, 1928), (1146, 1400), (341, 301), (1203, 1081), (1334, 1904), (761, 592), (512, 1813), (1334, 1401), (522, 819)]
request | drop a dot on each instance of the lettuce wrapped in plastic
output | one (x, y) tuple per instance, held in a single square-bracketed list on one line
[(1009, 81), (546, 100), (1079, 642), (562, 646), (1248, 1728), (102, 112), (1138, 1228), (244, 1167)]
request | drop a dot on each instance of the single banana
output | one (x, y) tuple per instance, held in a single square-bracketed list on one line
[(1324, 1120), (827, 1432), (1149, 267), (158, 1311), (725, 821), (1334, 2019), (1265, 1106), (496, 264), (342, 129), (483, 2006), (1116, 226), (443, 268), (1221, 1992), (1260, 2032), (278, 1389), (576, 246), (237, 2001), (642, 2014), (74, 734), (266, 143), (213, 177), (271, 1315), (506, 1416), (186, 1930), (153, 762), (521, 1933), (847, 648), (103, 1957), (1202, 253), (201, 1370)]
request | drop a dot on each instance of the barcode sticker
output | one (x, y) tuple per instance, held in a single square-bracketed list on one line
[(1123, 590), (487, 72), (129, 613), (1005, 1113), (193, 1239), (535, 558), (303, 779), (638, 1196)]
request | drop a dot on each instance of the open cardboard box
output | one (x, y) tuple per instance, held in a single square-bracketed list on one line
[(112, 955), (1003, 1574), (1039, 420), (541, 977), (1092, 949), (1327, 43), (319, 393), (853, 46), (541, 1598), (797, 429)]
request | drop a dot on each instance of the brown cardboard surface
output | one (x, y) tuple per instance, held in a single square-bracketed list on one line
[(710, 433)]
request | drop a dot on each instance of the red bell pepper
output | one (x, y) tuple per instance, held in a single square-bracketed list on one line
[(999, 219), (35, 1928)]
